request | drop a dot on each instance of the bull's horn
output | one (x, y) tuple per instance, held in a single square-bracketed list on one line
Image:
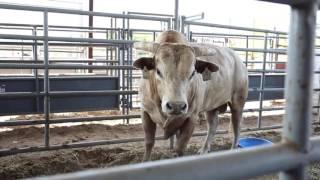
[(146, 46), (203, 50)]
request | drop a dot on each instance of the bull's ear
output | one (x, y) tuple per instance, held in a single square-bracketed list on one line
[(205, 68), (144, 63), (201, 65)]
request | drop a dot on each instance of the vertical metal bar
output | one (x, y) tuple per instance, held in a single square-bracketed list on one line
[(131, 72), (190, 36), (90, 49), (128, 24), (112, 48), (129, 60), (176, 15), (107, 54), (125, 57), (247, 46), (120, 58), (169, 24), (115, 36), (271, 54), (46, 85), (276, 55), (188, 32), (35, 71), (298, 90), (262, 82), (183, 18)]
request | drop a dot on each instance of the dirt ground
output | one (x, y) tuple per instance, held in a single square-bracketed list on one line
[(70, 160)]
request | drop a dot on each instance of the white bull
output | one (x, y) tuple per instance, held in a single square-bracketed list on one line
[(182, 80)]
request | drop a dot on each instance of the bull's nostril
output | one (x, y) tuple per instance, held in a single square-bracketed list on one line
[(169, 106), (184, 107)]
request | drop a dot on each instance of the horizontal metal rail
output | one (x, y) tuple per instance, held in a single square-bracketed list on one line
[(198, 34), (150, 14), (290, 2), (102, 92), (144, 30), (60, 29), (61, 66), (53, 44), (232, 27), (40, 61), (66, 93), (273, 89), (71, 66), (273, 71), (79, 12), (278, 51), (51, 38), (5, 152), (220, 165), (267, 71), (101, 61), (101, 118), (68, 120), (39, 26), (267, 62)]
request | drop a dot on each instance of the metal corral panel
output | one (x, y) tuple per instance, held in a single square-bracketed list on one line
[(59, 104), (271, 81)]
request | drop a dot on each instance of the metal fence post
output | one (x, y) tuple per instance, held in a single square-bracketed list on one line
[(46, 85), (276, 56), (35, 71), (298, 92), (262, 82), (176, 15), (183, 19), (247, 46)]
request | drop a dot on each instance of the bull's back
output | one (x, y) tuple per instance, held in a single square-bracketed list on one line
[(232, 76)]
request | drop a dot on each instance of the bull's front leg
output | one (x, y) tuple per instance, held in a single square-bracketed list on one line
[(149, 128), (212, 123), (184, 135)]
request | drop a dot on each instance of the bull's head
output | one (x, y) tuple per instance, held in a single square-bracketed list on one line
[(175, 67)]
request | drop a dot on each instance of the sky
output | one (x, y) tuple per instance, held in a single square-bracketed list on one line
[(248, 13)]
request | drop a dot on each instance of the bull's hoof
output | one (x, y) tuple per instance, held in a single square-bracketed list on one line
[(204, 151), (234, 146), (177, 154), (145, 160)]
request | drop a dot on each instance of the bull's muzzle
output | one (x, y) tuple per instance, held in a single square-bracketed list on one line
[(176, 108)]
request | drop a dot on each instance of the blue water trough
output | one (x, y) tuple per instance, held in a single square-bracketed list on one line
[(252, 142)]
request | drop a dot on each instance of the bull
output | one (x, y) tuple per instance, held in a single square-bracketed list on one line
[(184, 79)]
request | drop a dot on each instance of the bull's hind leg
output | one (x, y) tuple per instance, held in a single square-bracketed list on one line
[(184, 135), (149, 128), (236, 107), (212, 123)]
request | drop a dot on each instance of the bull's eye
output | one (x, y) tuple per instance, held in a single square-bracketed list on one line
[(193, 73), (159, 73)]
